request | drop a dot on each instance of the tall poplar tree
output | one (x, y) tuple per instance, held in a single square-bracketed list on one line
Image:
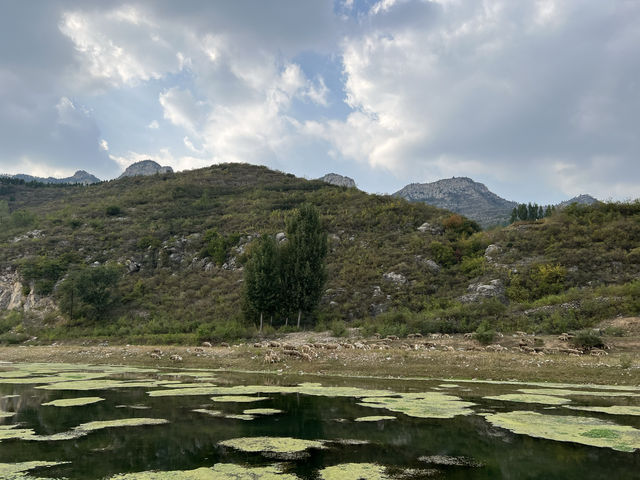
[(262, 279), (303, 262)]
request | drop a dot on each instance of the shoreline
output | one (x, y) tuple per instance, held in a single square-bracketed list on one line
[(613, 369)]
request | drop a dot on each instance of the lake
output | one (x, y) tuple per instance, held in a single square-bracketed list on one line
[(125, 423)]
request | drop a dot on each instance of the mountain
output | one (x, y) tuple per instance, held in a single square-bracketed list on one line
[(583, 199), (176, 245), (145, 167), (80, 176), (461, 195), (339, 180)]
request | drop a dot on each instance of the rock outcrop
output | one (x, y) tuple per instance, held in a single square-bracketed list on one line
[(583, 199), (461, 195), (145, 167), (339, 180)]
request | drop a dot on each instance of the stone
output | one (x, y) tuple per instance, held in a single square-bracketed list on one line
[(281, 237), (480, 291), (396, 278), (427, 227)]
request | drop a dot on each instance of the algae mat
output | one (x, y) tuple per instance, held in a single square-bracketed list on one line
[(152, 424), (584, 430)]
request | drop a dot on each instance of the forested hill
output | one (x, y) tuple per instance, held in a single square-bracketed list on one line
[(175, 244)]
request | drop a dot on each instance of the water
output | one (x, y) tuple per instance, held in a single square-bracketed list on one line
[(191, 439)]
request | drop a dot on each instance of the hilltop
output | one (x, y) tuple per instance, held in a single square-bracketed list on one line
[(461, 195), (80, 177), (394, 267)]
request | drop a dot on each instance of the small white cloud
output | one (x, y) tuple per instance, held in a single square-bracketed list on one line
[(180, 108), (154, 125), (104, 145)]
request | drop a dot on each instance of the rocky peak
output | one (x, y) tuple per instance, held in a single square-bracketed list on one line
[(461, 195), (145, 167), (583, 199), (80, 176), (339, 180)]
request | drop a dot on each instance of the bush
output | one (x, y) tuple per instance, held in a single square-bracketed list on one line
[(113, 210), (587, 340), (338, 328), (484, 334)]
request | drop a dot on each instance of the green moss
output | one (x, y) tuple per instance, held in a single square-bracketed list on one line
[(354, 471), (613, 410), (530, 398), (272, 444), (584, 430), (237, 399), (374, 418), (73, 402), (422, 405), (221, 471), (85, 385)]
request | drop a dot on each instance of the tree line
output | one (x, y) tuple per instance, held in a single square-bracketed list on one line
[(530, 211), (286, 280)]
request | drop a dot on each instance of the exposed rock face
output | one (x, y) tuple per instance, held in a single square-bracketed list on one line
[(145, 167), (433, 229), (480, 291), (80, 176), (583, 199), (13, 298), (339, 180), (461, 195), (396, 278)]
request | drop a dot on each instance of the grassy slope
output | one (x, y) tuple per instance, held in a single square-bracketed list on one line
[(163, 218)]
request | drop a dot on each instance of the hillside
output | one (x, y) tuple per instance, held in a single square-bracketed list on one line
[(461, 195), (394, 266)]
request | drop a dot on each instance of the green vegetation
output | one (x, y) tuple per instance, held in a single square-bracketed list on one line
[(171, 250)]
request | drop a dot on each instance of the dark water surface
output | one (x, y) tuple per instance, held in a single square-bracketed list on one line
[(191, 440)]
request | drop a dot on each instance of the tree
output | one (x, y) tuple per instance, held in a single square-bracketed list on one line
[(262, 283), (89, 291), (303, 262)]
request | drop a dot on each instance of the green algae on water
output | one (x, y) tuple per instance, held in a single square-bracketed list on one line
[(11, 432), (579, 393), (84, 385), (584, 430), (374, 418), (613, 410), (220, 414), (220, 471), (237, 399), (262, 411), (354, 471), (272, 444), (73, 402), (4, 414), (16, 471), (530, 398), (422, 405)]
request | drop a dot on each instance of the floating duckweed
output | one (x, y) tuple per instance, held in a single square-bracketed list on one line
[(374, 418), (262, 411), (530, 398), (221, 471), (4, 414), (354, 471), (422, 405), (584, 430), (449, 385), (99, 384), (304, 388), (134, 407), (219, 414), (448, 461), (568, 393), (188, 385), (613, 410), (16, 471), (272, 444), (10, 432), (73, 402), (238, 398)]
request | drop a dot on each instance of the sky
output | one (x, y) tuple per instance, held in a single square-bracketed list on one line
[(537, 99)]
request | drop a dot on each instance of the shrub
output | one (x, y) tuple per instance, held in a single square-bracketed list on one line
[(587, 340), (338, 328), (484, 334), (113, 210)]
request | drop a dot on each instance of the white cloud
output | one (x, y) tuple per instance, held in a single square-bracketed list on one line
[(181, 108), (154, 125), (104, 145)]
